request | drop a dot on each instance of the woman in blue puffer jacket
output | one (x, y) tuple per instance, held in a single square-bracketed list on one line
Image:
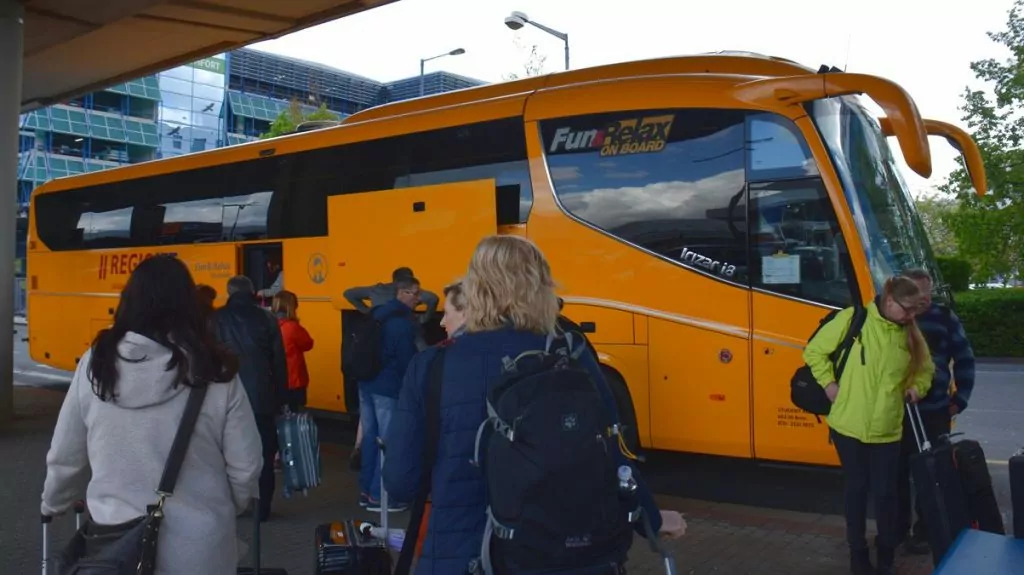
[(511, 307)]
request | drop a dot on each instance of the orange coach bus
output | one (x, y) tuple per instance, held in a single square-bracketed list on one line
[(701, 214)]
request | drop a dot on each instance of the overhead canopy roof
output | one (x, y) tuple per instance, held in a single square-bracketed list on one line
[(78, 46)]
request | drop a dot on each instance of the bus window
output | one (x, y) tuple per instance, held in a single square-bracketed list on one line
[(777, 150), (795, 244), (219, 203), (796, 249), (107, 228), (670, 182)]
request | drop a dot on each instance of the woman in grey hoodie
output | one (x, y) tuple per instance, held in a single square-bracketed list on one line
[(121, 413)]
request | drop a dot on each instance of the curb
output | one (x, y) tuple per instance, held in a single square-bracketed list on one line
[(999, 361)]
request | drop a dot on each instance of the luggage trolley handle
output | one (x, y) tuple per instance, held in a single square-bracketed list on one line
[(916, 423), (45, 520), (384, 504)]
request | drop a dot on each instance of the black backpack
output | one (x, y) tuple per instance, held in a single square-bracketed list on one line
[(804, 391), (362, 357), (547, 450)]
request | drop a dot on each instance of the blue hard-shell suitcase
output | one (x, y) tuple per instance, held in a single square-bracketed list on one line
[(299, 445)]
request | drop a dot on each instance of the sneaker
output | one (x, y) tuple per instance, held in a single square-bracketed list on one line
[(393, 507), (364, 500)]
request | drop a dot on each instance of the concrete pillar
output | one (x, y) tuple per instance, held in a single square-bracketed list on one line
[(11, 52)]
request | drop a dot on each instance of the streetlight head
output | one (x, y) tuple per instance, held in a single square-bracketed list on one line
[(457, 52), (516, 20)]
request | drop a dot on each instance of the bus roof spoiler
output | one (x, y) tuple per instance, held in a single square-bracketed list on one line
[(899, 107), (961, 142)]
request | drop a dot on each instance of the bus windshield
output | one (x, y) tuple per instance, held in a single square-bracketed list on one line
[(891, 231)]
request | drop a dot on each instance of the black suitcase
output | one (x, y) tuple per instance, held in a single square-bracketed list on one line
[(256, 568), (939, 489), (1017, 492), (982, 506), (353, 547)]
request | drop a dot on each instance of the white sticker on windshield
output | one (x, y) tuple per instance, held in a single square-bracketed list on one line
[(780, 269)]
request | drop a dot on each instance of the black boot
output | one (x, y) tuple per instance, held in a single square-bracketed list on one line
[(886, 558), (860, 562)]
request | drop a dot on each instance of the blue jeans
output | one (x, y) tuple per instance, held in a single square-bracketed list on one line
[(375, 412)]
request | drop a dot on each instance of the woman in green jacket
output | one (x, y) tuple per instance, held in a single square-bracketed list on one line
[(888, 362)]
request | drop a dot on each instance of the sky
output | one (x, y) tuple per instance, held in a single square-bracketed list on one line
[(926, 46)]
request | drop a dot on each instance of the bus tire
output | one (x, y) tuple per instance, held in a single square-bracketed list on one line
[(624, 405)]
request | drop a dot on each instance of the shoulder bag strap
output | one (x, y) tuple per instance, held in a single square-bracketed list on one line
[(432, 439), (181, 441)]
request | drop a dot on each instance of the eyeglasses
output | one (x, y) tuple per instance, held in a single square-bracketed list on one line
[(915, 311)]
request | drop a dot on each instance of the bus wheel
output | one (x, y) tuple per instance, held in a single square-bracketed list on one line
[(624, 404)]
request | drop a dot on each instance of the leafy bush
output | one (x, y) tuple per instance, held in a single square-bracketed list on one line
[(994, 320), (956, 272)]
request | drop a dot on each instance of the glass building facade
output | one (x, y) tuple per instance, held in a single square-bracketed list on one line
[(218, 101)]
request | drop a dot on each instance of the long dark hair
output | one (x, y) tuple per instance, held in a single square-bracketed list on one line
[(159, 302)]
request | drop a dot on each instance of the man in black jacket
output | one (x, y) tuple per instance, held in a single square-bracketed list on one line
[(253, 335)]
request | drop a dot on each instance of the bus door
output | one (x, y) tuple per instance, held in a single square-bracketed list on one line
[(799, 271), (431, 229), (262, 263)]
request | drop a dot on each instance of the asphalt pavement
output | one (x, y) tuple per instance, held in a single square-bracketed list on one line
[(995, 417), (28, 372)]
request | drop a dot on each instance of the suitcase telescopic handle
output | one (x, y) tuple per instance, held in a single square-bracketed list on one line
[(384, 504), (916, 423), (45, 521)]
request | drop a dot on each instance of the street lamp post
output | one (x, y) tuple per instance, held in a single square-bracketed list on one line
[(455, 52), (517, 20)]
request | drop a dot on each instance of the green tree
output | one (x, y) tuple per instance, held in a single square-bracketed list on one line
[(290, 118), (989, 231), (936, 211)]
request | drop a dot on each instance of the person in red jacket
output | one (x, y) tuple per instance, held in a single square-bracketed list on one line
[(297, 342)]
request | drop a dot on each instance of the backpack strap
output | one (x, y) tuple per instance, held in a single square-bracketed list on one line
[(562, 342), (435, 381), (860, 314)]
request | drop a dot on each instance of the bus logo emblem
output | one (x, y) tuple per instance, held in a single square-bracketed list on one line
[(317, 268)]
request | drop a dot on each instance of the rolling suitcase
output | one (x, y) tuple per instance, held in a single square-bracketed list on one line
[(1017, 492), (299, 444), (256, 568), (939, 489), (982, 506), (354, 547)]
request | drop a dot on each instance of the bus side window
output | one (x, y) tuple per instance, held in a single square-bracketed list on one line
[(670, 182), (795, 246)]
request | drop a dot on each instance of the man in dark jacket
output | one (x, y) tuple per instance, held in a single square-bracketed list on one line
[(948, 343), (254, 336), (378, 396)]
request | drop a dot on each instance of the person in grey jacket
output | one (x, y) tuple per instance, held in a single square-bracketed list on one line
[(382, 293), (122, 411)]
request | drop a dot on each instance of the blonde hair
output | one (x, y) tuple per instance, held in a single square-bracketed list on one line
[(906, 293), (285, 302), (453, 292), (509, 280)]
